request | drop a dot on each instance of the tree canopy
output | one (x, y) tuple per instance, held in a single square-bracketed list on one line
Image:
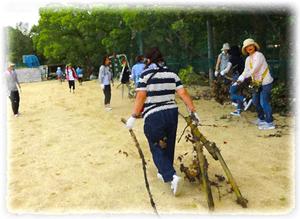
[(83, 36)]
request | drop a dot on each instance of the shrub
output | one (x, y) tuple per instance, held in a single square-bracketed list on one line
[(280, 101), (189, 77)]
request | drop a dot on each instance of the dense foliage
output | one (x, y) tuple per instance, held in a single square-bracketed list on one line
[(83, 35), (19, 42)]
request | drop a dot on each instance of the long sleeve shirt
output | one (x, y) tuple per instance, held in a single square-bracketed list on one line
[(105, 76), (256, 67), (11, 80)]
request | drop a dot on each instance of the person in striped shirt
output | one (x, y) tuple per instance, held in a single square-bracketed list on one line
[(156, 99)]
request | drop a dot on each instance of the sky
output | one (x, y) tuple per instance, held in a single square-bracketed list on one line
[(15, 11)]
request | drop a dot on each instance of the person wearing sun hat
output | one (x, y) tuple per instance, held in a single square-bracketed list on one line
[(13, 84), (222, 60), (257, 68)]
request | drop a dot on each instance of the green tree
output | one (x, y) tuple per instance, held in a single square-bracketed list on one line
[(20, 43)]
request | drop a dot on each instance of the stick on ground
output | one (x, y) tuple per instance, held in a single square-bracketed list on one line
[(144, 166)]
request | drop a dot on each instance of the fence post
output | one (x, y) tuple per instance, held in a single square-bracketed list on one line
[(210, 50)]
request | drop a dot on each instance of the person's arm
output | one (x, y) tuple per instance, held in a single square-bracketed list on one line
[(100, 76), (17, 81), (139, 103), (226, 70), (218, 63), (246, 73), (184, 95), (140, 98)]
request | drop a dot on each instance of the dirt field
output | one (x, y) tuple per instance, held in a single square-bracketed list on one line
[(66, 154)]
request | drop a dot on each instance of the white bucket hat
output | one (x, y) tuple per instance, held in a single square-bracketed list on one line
[(249, 42), (225, 47)]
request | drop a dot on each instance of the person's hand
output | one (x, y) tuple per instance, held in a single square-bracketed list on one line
[(195, 118), (216, 73), (130, 122), (102, 86), (222, 73)]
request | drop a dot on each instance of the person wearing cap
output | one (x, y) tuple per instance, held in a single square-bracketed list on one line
[(13, 84), (156, 93), (222, 60), (257, 68)]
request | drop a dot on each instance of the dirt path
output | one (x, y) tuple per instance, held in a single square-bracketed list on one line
[(67, 154)]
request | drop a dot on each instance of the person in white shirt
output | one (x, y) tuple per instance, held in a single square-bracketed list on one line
[(71, 76), (257, 68)]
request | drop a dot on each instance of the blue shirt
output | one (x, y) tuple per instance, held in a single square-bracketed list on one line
[(136, 72), (79, 72)]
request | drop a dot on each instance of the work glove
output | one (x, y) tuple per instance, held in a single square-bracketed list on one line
[(130, 122), (195, 118), (222, 73), (235, 84), (240, 79), (102, 86), (216, 73)]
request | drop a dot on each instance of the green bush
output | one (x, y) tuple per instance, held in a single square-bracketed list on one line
[(189, 77), (280, 100)]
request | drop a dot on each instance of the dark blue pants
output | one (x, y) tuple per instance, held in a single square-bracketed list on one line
[(162, 126), (235, 97), (261, 100)]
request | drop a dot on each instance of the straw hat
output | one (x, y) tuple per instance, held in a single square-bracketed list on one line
[(11, 64), (225, 47), (249, 42)]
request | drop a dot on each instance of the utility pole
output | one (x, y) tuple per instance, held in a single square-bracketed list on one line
[(140, 42), (210, 50)]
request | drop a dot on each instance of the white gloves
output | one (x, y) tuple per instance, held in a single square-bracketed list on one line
[(240, 79), (195, 118), (102, 86), (130, 122), (222, 73), (216, 73)]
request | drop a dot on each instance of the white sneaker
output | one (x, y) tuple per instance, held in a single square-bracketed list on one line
[(234, 104), (108, 108), (159, 176), (247, 105), (176, 185), (259, 122), (267, 126), (236, 113)]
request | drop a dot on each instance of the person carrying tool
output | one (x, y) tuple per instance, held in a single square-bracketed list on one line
[(257, 68), (156, 93)]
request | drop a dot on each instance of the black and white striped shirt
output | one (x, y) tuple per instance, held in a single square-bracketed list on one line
[(161, 88)]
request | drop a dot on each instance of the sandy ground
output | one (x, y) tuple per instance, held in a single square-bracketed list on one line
[(66, 154)]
